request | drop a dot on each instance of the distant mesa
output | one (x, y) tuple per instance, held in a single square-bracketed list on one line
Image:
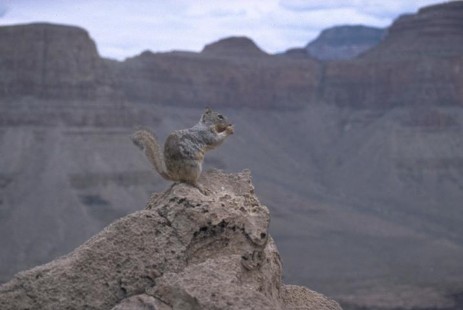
[(42, 26), (49, 61), (415, 64), (344, 42), (234, 46), (434, 30), (399, 102), (297, 52)]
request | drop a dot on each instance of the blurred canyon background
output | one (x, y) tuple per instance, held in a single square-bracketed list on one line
[(355, 143)]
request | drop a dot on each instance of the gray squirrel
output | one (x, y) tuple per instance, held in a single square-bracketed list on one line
[(182, 157)]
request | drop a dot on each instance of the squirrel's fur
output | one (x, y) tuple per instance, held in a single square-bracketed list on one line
[(183, 153)]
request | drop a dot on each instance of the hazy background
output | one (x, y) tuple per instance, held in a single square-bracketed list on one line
[(123, 29), (353, 134)]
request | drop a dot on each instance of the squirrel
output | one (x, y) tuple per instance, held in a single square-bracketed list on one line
[(183, 154)]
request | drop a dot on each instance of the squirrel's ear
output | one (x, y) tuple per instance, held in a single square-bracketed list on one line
[(207, 111)]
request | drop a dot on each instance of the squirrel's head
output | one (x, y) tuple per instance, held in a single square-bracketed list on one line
[(210, 117)]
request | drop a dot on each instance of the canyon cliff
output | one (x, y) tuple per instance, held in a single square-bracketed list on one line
[(344, 42), (359, 161)]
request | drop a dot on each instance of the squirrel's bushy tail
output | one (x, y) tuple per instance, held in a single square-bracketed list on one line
[(146, 141)]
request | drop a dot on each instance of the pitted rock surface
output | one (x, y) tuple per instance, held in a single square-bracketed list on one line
[(185, 251)]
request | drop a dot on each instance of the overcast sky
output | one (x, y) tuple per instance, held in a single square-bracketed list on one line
[(124, 28)]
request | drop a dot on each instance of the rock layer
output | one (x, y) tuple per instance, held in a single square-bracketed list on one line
[(344, 42), (418, 63), (185, 251), (67, 169), (50, 61), (61, 62), (434, 31), (213, 78)]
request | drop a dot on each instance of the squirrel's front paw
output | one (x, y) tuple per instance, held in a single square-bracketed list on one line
[(229, 130)]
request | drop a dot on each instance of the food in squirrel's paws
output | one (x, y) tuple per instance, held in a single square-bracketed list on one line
[(228, 128)]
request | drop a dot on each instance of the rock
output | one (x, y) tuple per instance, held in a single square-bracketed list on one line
[(392, 121), (185, 251), (344, 42), (297, 52), (210, 78), (434, 30), (417, 64), (299, 297), (234, 46), (57, 62), (141, 302), (385, 84), (50, 61)]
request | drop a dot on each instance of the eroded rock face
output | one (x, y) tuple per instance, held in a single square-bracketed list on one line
[(61, 62), (185, 251), (434, 30), (234, 78), (344, 42), (418, 63), (50, 61)]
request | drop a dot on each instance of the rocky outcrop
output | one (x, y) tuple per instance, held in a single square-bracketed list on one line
[(184, 251), (344, 42), (397, 156)]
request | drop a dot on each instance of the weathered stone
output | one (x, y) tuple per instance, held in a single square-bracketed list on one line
[(299, 297), (67, 168), (185, 251), (141, 302)]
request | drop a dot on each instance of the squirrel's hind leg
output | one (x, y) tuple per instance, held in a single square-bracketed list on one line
[(200, 187)]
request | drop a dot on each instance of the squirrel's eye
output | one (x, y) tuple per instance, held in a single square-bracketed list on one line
[(220, 116)]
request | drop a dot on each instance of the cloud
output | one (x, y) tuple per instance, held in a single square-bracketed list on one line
[(376, 8), (125, 28), (301, 5), (3, 9)]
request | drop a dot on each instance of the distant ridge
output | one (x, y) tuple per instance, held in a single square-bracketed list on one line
[(360, 161), (63, 62), (344, 42), (234, 46), (434, 31)]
